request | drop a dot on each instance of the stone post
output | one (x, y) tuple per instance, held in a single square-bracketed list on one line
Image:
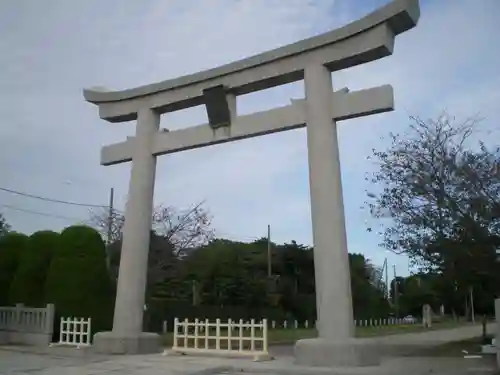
[(331, 262), (18, 327), (127, 335), (426, 316), (497, 329), (48, 324)]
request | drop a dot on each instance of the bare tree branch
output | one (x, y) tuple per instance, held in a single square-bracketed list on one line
[(100, 220), (173, 233), (184, 229)]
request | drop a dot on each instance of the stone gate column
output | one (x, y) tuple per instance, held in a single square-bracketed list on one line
[(331, 262), (335, 344), (127, 335)]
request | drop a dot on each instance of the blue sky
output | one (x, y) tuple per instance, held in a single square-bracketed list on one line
[(50, 138)]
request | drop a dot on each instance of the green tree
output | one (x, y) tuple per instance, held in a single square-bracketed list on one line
[(227, 273), (78, 282), (4, 226), (439, 197), (367, 292), (415, 291), (162, 262), (28, 284), (12, 248)]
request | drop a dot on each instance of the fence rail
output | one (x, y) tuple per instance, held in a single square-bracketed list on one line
[(218, 338), (26, 325)]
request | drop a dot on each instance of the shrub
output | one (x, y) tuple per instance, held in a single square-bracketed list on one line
[(28, 284), (12, 246), (78, 282)]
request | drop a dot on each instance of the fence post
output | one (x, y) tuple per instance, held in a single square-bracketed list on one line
[(17, 317), (207, 329), (61, 330), (229, 333), (176, 331), (79, 332), (264, 336), (70, 327), (252, 335), (196, 333), (89, 330), (240, 341), (48, 323), (186, 329), (217, 334)]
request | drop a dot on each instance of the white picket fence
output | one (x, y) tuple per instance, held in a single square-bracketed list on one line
[(229, 338), (75, 332), (358, 323), (306, 324)]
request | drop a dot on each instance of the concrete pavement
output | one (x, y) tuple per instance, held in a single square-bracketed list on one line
[(59, 361)]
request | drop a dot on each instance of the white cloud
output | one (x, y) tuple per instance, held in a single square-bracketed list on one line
[(51, 135)]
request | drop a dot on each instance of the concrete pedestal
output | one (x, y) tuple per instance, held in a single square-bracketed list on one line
[(114, 343), (346, 353)]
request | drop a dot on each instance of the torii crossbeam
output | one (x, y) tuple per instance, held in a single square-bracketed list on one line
[(312, 60)]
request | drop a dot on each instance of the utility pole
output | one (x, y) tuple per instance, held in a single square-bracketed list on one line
[(471, 292), (110, 224), (269, 267), (110, 215), (386, 279), (396, 292), (193, 287)]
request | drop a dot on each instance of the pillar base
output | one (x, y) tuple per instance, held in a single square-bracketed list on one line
[(114, 343), (320, 352)]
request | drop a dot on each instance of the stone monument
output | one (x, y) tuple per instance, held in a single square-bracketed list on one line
[(312, 60), (426, 316)]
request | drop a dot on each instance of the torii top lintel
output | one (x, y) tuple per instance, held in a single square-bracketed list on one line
[(367, 39)]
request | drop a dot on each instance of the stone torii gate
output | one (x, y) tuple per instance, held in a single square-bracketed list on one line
[(313, 60)]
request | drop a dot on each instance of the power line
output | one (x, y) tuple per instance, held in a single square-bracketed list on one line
[(38, 213), (52, 200)]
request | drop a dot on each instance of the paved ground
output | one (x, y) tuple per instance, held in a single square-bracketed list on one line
[(415, 339), (20, 361)]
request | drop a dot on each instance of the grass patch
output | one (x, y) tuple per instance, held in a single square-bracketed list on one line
[(409, 328), (289, 336)]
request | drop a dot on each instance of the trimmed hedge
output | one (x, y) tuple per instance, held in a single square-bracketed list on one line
[(167, 310), (12, 248), (78, 282), (28, 284)]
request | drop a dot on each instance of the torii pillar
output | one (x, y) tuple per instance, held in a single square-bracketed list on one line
[(313, 60)]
